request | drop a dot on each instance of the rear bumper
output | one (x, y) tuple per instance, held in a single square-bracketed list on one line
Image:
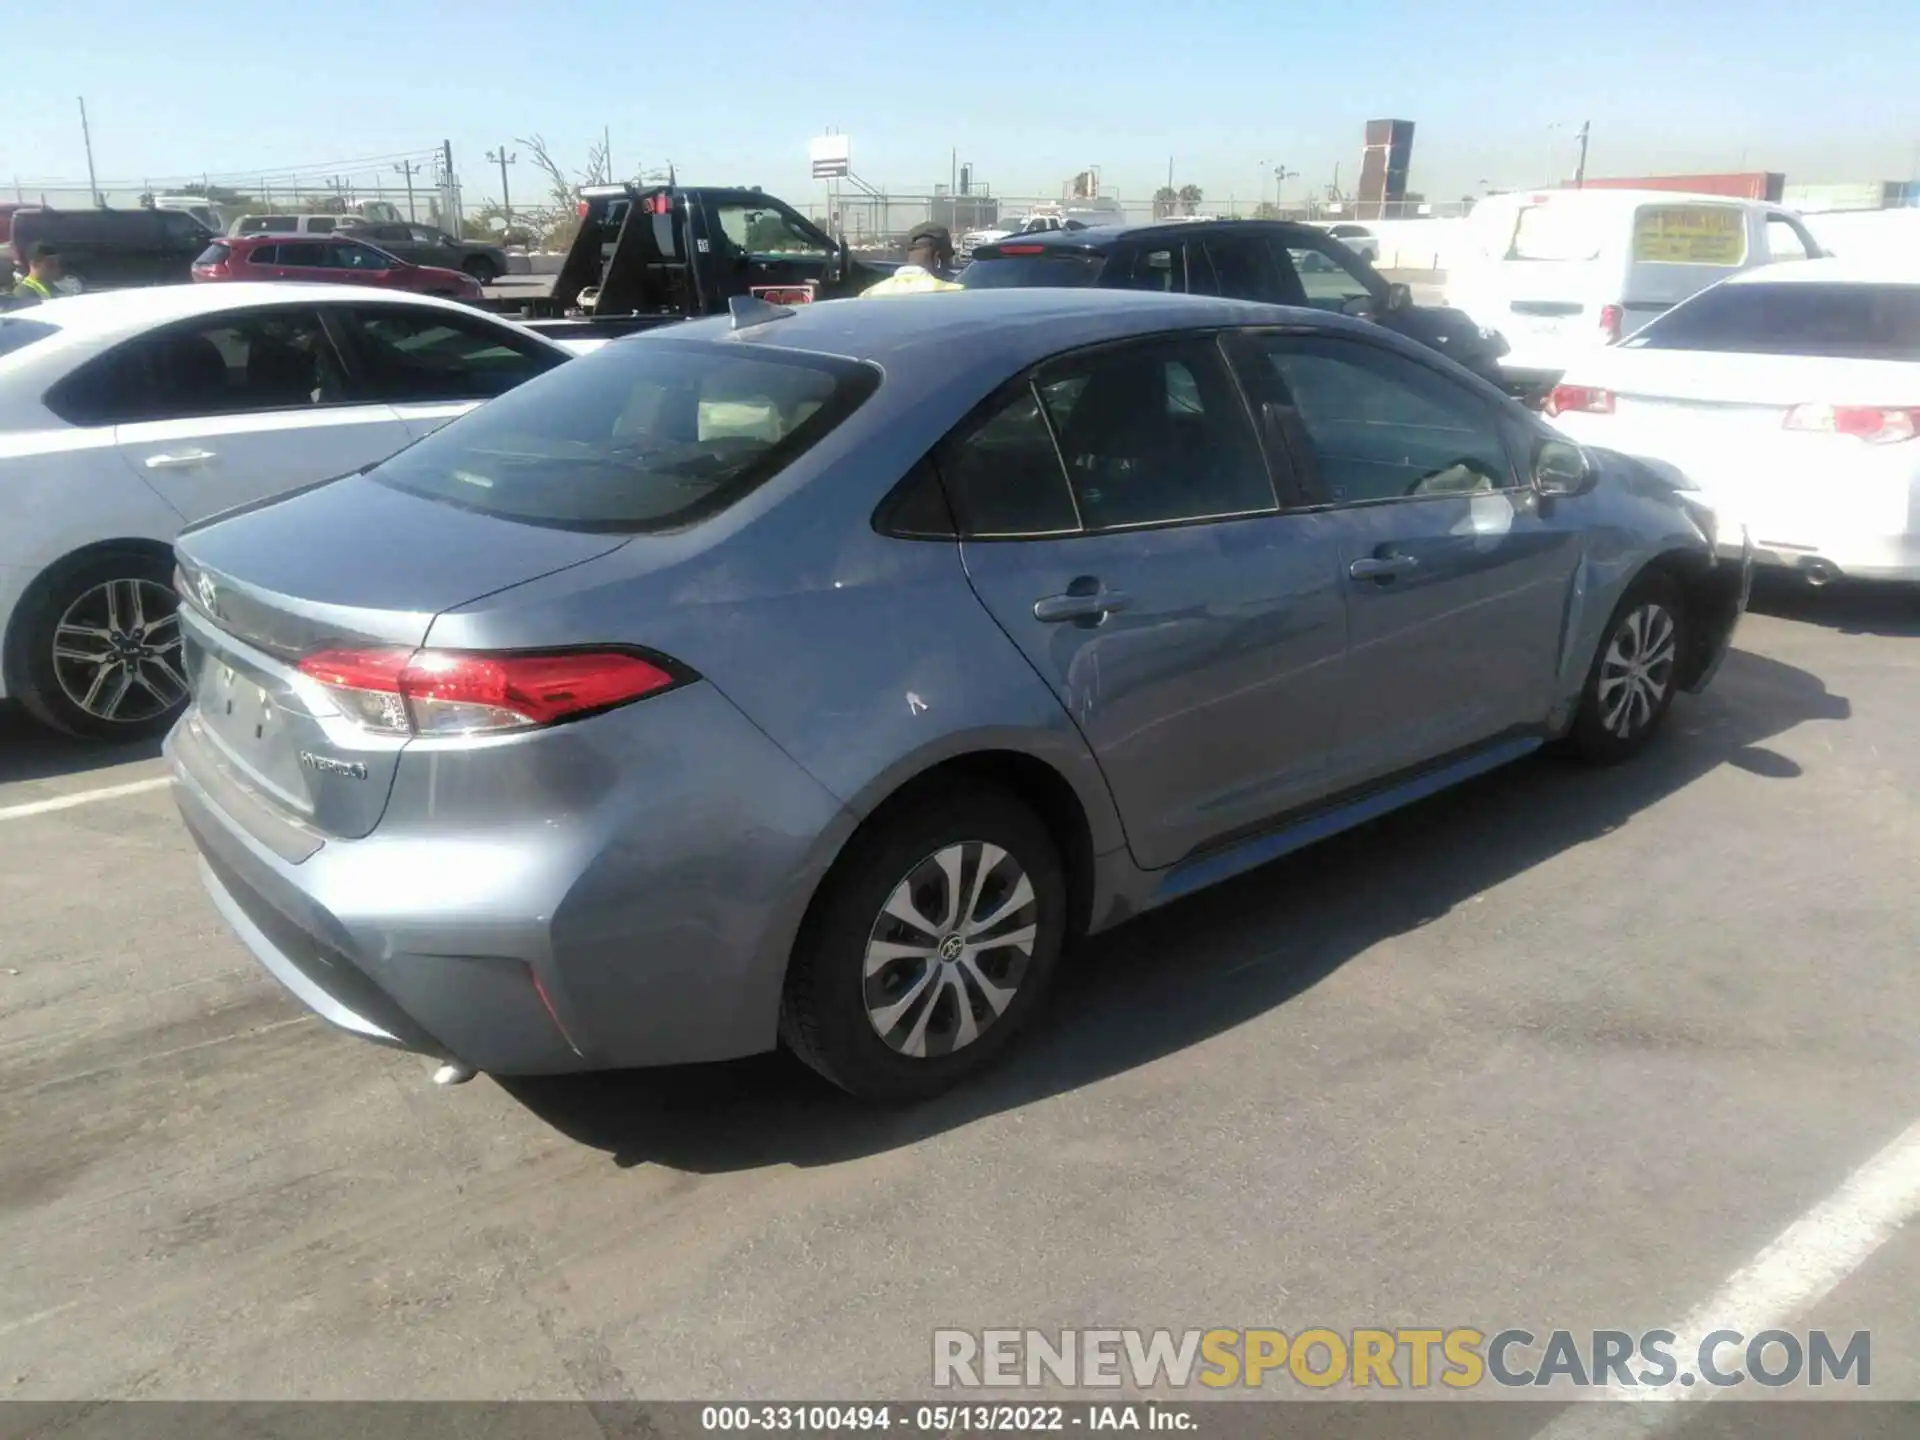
[(1873, 557), (534, 914)]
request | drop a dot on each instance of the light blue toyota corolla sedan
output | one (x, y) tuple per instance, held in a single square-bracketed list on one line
[(811, 676)]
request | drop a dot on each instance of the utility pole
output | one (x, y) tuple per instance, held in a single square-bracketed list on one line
[(501, 158), (450, 207), (1580, 170), (406, 168), (86, 136), (606, 153)]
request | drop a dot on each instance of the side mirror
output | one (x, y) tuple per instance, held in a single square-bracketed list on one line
[(1399, 297), (1360, 307), (1561, 468)]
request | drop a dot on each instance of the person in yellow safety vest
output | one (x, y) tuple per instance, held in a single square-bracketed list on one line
[(43, 273), (929, 253)]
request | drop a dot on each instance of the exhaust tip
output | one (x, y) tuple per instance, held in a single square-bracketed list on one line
[(1820, 572), (453, 1073)]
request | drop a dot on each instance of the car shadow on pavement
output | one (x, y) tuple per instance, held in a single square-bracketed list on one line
[(1177, 976), (31, 751), (1851, 607)]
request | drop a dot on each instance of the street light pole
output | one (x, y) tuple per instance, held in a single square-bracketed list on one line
[(501, 158), (1580, 170), (406, 168), (86, 136)]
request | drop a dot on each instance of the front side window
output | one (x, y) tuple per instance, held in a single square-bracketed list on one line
[(422, 236), (278, 359), (1155, 434), (635, 438), (1812, 319), (1328, 285), (1786, 241), (1246, 270), (424, 355), (1382, 427), (320, 225)]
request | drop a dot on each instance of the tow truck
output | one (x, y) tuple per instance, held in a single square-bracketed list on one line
[(650, 256)]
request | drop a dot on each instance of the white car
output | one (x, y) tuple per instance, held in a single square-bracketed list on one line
[(128, 415), (1357, 238), (1789, 395)]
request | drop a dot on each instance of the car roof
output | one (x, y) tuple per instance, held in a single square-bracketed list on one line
[(1834, 270), (1098, 238), (969, 337), (109, 313)]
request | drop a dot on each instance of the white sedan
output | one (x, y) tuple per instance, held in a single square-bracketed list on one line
[(127, 415), (1790, 395)]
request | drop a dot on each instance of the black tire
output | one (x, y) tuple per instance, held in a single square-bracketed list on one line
[(78, 593), (1611, 727), (481, 269), (826, 1014)]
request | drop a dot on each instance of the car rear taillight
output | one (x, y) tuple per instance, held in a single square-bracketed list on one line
[(1023, 249), (1579, 400), (1874, 424), (462, 692), (1612, 317), (582, 210)]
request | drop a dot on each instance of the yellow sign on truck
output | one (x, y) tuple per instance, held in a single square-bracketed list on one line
[(1690, 235)]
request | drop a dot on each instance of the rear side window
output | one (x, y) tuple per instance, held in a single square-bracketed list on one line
[(1003, 473), (308, 253), (639, 436), (276, 359), (1689, 235), (263, 255), (1164, 268), (17, 333), (1064, 269), (1831, 322)]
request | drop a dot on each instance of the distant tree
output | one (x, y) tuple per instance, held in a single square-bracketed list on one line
[(1190, 198), (1165, 201)]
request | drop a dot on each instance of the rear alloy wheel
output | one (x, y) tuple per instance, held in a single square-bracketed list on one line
[(100, 650), (481, 269), (930, 949), (1632, 684)]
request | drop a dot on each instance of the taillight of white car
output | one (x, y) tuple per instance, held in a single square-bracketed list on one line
[(1579, 400), (459, 692), (1874, 424)]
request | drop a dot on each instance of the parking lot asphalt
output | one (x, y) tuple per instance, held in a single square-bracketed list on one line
[(1564, 1048)]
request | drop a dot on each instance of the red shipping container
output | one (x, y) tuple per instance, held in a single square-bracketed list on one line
[(1741, 185)]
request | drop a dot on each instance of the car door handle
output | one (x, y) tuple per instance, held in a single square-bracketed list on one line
[(1382, 567), (178, 459), (1080, 607)]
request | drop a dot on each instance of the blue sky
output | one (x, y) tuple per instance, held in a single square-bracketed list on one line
[(1030, 93)]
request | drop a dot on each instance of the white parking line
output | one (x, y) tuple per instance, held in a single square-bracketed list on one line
[(82, 797), (1802, 1266)]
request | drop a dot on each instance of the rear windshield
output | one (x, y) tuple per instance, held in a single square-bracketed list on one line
[(1832, 322), (1068, 269), (640, 435), (1563, 233), (214, 254), (16, 332)]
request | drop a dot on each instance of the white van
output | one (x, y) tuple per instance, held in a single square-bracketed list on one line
[(1561, 271)]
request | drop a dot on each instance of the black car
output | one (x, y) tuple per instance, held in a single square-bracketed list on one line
[(1267, 260), (109, 249), (425, 245)]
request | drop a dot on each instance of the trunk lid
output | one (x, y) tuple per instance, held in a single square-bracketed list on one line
[(351, 563)]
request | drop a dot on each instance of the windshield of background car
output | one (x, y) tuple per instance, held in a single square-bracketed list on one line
[(1062, 269), (1827, 321), (17, 332), (639, 436)]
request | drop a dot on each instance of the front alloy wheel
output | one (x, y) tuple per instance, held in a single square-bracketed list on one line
[(1634, 676), (949, 949), (1636, 672)]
